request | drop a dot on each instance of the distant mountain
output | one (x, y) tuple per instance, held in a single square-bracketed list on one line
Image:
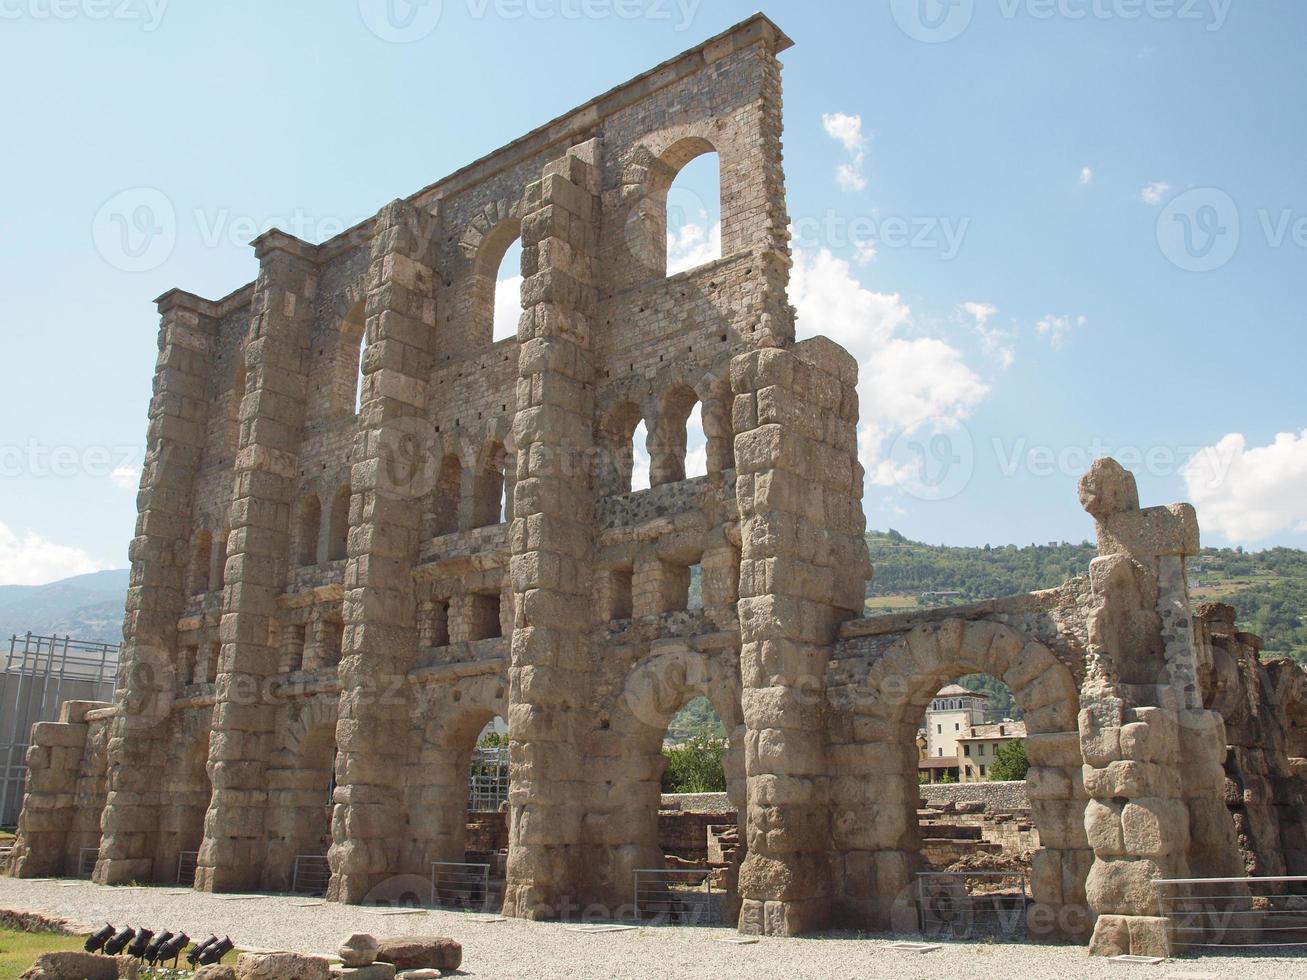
[(85, 607)]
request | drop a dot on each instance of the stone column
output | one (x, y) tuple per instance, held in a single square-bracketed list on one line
[(156, 596), (54, 759), (1152, 755), (802, 573), (272, 420), (552, 537), (390, 477)]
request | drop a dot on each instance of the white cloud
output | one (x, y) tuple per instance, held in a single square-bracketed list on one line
[(847, 131), (1056, 329), (1249, 494), (996, 342), (32, 560), (1155, 192), (692, 245), (1086, 175), (126, 477), (508, 307), (864, 253), (904, 382)]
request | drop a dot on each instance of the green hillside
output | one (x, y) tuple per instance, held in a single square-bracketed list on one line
[(1268, 588)]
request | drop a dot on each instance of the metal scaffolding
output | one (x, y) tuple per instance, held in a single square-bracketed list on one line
[(40, 674)]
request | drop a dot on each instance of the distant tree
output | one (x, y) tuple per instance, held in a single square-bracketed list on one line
[(1010, 763), (695, 766), (492, 740), (946, 777)]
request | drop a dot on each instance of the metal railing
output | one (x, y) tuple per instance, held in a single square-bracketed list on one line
[(1234, 913), (460, 885), (967, 904), (187, 863), (679, 897), (86, 861), (41, 672), (487, 780), (311, 875)]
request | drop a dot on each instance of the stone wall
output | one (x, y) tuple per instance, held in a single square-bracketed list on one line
[(995, 796)]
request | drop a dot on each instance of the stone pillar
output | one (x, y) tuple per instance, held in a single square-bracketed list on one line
[(390, 478), (54, 759), (552, 537), (272, 420), (156, 592), (1152, 755), (803, 569)]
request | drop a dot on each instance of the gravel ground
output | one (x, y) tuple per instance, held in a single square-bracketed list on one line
[(514, 948)]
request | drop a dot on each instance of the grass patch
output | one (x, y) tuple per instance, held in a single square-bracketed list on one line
[(18, 950)]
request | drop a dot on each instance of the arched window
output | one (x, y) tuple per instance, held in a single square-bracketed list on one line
[(489, 503), (617, 442), (676, 225), (310, 527), (668, 447), (338, 544), (496, 298), (349, 360), (640, 458), (508, 294), (445, 497), (200, 563), (694, 215), (696, 444)]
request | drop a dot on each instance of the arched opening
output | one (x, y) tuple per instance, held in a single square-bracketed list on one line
[(301, 783), (496, 287), (187, 790), (349, 360), (676, 225), (616, 436), (201, 562), (338, 543), (668, 449), (309, 530), (447, 831), (874, 821), (696, 444), (679, 722), (640, 478), (694, 215), (508, 294), (489, 500)]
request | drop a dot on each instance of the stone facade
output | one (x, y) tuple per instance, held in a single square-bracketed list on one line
[(328, 601)]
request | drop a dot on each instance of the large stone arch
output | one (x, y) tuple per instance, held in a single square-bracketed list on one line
[(448, 714), (186, 790), (875, 840), (628, 749), (301, 777)]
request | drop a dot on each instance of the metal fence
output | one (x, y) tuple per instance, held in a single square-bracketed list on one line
[(187, 862), (488, 779), (1234, 913), (311, 876), (680, 897), (459, 885), (40, 673), (970, 904)]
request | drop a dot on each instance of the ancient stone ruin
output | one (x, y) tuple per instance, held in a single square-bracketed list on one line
[(328, 599)]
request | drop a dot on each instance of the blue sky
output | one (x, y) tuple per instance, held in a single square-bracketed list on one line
[(1047, 228)]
